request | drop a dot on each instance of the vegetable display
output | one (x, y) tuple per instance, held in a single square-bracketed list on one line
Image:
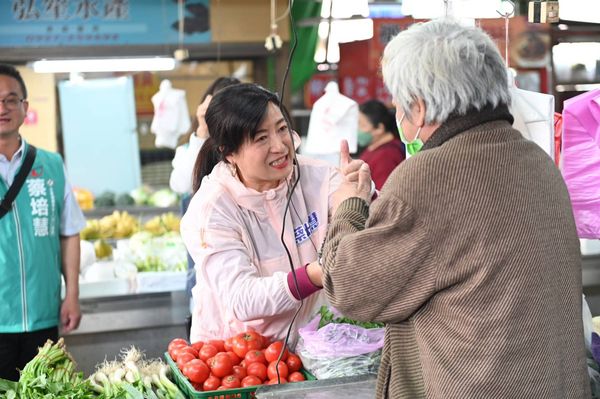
[(151, 253), (134, 377), (245, 360), (50, 374)]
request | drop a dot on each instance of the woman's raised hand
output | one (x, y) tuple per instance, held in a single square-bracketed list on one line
[(356, 178)]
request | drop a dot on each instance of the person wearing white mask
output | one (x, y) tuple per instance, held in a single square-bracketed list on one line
[(470, 254)]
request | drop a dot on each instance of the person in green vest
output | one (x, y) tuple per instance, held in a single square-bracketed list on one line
[(39, 240)]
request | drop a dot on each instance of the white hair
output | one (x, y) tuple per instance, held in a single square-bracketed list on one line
[(451, 67)]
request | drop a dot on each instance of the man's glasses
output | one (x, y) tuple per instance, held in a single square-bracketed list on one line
[(12, 102)]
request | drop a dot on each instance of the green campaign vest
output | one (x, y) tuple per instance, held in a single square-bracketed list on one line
[(30, 260)]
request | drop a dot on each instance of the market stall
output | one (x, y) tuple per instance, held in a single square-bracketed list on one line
[(247, 365), (132, 341)]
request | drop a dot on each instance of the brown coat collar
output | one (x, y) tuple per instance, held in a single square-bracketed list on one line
[(457, 124)]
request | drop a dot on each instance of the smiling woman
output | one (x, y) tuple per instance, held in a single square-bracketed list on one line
[(243, 178), (263, 161)]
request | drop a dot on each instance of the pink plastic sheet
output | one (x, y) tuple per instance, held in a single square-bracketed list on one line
[(580, 160)]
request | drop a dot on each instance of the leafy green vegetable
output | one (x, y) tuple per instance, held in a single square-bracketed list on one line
[(50, 374), (327, 316), (163, 198)]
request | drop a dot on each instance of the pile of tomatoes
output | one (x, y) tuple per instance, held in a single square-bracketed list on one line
[(245, 360)]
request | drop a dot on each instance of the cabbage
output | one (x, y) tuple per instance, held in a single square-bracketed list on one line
[(164, 253), (163, 198), (141, 195)]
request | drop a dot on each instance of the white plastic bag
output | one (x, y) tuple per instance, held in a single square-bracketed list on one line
[(339, 350), (588, 325)]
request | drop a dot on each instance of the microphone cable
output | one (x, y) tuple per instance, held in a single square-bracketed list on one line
[(290, 191)]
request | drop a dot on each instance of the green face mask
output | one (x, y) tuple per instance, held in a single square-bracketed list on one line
[(412, 147), (364, 138)]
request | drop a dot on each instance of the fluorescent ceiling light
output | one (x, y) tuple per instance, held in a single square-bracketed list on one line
[(104, 65)]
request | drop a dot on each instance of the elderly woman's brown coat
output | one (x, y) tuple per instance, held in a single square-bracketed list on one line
[(471, 257)]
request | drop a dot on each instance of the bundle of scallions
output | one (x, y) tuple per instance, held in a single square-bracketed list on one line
[(134, 377), (50, 374)]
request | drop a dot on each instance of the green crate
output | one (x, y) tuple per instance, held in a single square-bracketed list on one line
[(235, 393)]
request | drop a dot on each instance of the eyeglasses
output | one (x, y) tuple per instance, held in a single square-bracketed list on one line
[(12, 102)]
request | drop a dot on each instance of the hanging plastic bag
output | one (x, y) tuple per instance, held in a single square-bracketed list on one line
[(580, 160), (588, 325), (339, 349)]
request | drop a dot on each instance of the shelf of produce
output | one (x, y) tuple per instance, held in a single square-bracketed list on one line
[(138, 211)]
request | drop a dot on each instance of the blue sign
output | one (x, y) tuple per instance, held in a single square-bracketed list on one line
[(54, 23)]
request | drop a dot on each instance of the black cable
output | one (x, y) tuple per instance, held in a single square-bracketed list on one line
[(292, 51)]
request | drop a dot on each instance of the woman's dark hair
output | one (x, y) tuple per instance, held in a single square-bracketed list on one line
[(233, 115), (215, 86), (377, 113)]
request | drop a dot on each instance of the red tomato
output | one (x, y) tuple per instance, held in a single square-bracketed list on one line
[(244, 342), (174, 353), (207, 352), (258, 370), (211, 383), (274, 381), (251, 381), (234, 358), (217, 343), (273, 351), (231, 381), (196, 371), (254, 356), (176, 342), (183, 358), (294, 363), (243, 363), (187, 349), (240, 372), (221, 365), (296, 376), (272, 371), (198, 345), (228, 344), (209, 362), (266, 342), (197, 387)]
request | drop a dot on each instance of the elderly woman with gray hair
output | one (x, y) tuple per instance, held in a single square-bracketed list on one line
[(470, 254)]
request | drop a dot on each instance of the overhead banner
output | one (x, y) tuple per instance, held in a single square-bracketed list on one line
[(57, 23)]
